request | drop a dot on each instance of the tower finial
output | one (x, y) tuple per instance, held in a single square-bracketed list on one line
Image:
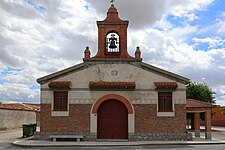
[(112, 2)]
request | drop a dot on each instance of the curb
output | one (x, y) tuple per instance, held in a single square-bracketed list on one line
[(106, 144)]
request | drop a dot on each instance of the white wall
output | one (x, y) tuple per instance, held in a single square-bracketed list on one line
[(115, 72), (145, 89), (15, 118)]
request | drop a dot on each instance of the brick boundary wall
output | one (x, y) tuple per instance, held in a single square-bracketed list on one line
[(217, 119), (219, 123)]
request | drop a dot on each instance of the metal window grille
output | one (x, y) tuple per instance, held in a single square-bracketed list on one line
[(165, 103), (60, 100)]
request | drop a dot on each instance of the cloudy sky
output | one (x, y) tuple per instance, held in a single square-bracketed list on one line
[(38, 37)]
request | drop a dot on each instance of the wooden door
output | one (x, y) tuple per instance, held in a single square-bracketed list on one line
[(112, 122)]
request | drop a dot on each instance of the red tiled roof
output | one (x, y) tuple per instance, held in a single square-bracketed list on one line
[(116, 85), (167, 85), (34, 106), (19, 106), (59, 84), (195, 103)]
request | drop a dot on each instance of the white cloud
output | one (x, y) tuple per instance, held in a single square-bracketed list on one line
[(167, 52), (147, 12), (181, 32), (18, 93), (42, 42), (221, 24), (214, 27), (221, 96), (212, 41), (222, 67), (163, 24), (160, 48), (186, 8)]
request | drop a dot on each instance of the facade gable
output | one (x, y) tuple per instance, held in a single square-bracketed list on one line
[(140, 65)]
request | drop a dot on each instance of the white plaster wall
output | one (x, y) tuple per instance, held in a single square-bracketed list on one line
[(46, 96), (15, 118), (145, 94), (115, 72), (135, 97)]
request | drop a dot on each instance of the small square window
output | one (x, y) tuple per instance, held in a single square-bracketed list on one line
[(60, 101), (165, 102)]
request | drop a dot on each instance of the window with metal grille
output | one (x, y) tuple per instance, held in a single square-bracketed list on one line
[(60, 100), (165, 102)]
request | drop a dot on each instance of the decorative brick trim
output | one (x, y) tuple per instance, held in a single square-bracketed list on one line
[(115, 97), (111, 85), (60, 84), (166, 85)]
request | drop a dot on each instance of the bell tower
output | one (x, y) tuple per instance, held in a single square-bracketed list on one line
[(112, 36), (112, 39)]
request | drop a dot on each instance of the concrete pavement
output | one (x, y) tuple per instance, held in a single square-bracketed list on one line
[(35, 143), (9, 136), (14, 136)]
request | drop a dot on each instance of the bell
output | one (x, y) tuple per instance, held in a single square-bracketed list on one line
[(112, 41), (112, 44)]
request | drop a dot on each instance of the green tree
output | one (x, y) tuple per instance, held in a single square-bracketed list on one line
[(223, 111), (200, 92)]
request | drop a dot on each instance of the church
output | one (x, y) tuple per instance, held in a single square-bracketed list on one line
[(113, 95)]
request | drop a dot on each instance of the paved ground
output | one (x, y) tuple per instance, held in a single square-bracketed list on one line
[(217, 133), (148, 147), (7, 137), (10, 135)]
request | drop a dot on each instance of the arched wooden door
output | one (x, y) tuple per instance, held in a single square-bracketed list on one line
[(112, 122)]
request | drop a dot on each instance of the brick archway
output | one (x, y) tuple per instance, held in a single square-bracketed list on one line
[(115, 97)]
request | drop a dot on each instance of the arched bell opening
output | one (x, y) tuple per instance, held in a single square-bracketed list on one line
[(112, 43)]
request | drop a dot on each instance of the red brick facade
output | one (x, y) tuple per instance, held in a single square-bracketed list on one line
[(218, 119), (77, 121), (112, 96), (146, 120)]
